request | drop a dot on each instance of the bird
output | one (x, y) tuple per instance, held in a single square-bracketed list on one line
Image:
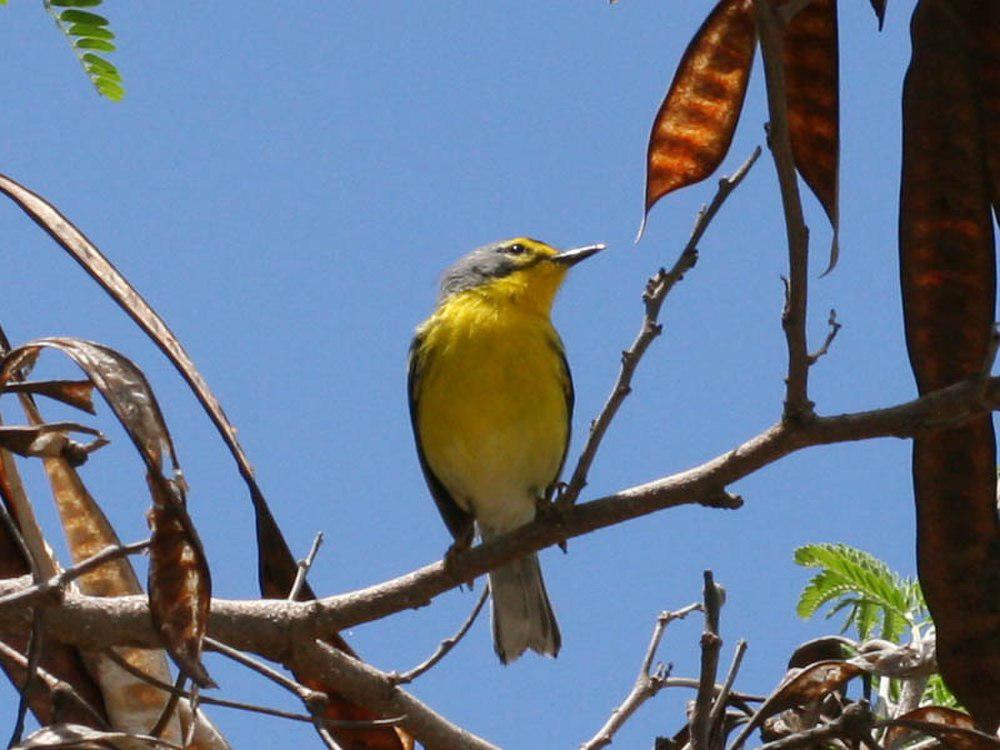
[(491, 405)]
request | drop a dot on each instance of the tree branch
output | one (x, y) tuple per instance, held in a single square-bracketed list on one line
[(793, 317), (649, 682), (711, 644), (656, 292), (445, 646), (370, 687), (268, 627), (276, 628)]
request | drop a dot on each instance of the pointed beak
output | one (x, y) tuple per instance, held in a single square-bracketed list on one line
[(574, 256)]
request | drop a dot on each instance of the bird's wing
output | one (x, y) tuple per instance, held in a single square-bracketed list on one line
[(570, 397), (459, 522)]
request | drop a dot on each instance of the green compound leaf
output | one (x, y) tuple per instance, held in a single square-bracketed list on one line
[(852, 578), (937, 693), (89, 32)]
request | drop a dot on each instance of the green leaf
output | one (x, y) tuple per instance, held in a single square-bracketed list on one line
[(87, 31), (864, 619), (851, 577), (937, 693), (109, 88), (98, 44), (98, 62), (96, 74), (82, 16), (94, 32)]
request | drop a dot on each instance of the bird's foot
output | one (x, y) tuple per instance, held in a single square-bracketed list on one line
[(453, 554), (550, 511)]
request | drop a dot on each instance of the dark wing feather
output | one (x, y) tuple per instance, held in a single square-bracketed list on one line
[(459, 522), (570, 397)]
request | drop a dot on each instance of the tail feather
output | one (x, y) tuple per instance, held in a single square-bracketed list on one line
[(522, 614)]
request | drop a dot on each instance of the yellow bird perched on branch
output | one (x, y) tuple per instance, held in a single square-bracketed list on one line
[(491, 402)]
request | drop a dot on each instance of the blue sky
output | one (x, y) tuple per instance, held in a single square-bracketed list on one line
[(286, 181)]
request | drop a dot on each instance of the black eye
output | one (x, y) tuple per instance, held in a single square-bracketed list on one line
[(516, 249)]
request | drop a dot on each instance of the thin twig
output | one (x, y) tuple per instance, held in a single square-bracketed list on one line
[(375, 690), (830, 336), (656, 292), (736, 698), (54, 684), (304, 567), (324, 734), (711, 644), (445, 646), (315, 701), (58, 583), (305, 694), (647, 684), (664, 619), (717, 718), (645, 688), (35, 643), (193, 702), (167, 713), (249, 707), (793, 317)]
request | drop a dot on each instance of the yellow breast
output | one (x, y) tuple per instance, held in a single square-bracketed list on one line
[(492, 410)]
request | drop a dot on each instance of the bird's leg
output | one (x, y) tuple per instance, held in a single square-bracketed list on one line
[(547, 507), (457, 548)]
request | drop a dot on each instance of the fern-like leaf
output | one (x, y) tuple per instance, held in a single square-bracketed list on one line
[(937, 693), (89, 34), (851, 577)]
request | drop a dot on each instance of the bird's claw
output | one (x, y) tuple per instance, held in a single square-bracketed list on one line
[(452, 555), (550, 511)]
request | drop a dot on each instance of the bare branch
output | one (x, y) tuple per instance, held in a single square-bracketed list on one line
[(657, 289), (830, 336), (267, 627), (242, 706), (445, 646), (717, 718), (57, 584), (793, 317), (648, 683), (367, 686), (711, 644), (306, 694), (664, 619), (304, 567), (737, 699), (54, 684), (273, 628), (169, 707), (35, 643)]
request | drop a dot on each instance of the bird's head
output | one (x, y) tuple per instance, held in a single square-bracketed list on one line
[(521, 271)]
